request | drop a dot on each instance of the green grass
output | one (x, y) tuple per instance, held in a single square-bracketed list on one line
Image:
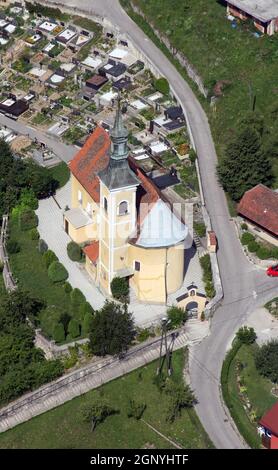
[(60, 173), (41, 118), (218, 52), (27, 266), (257, 390), (63, 427)]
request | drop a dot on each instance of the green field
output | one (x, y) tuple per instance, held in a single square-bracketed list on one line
[(218, 52), (60, 173), (63, 427), (257, 389)]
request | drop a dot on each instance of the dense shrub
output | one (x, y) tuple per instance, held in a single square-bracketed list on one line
[(87, 324), (74, 251), (42, 246), (67, 287), (48, 258), (162, 85), (246, 238), (13, 246), (177, 316), (28, 219), (57, 272), (59, 333), (246, 335), (77, 298), (209, 288), (143, 334), (266, 360), (84, 308), (253, 246), (120, 288), (263, 253), (74, 328), (274, 253), (244, 226), (34, 234), (49, 318)]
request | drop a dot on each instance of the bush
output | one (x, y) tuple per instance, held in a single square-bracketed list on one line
[(74, 328), (246, 238), (274, 253), (74, 251), (253, 247), (57, 272), (263, 253), (246, 335), (87, 324), (34, 234), (143, 334), (49, 257), (120, 288), (49, 318), (67, 288), (28, 219), (162, 85), (209, 288), (42, 246), (84, 308), (177, 316), (77, 298), (136, 409), (13, 246), (244, 226), (59, 333), (266, 360)]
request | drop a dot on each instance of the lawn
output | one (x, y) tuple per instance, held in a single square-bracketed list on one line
[(201, 31), (60, 173), (257, 390), (63, 427)]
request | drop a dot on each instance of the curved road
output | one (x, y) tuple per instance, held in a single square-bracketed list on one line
[(245, 286)]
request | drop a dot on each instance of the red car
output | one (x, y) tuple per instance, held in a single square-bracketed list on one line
[(272, 271)]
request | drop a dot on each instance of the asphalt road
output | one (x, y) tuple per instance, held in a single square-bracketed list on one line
[(65, 152), (245, 286)]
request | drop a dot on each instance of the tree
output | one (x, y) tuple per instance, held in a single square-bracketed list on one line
[(48, 258), (162, 85), (57, 272), (13, 246), (87, 324), (96, 412), (177, 316), (246, 335), (59, 333), (266, 360), (74, 328), (112, 330), (16, 307), (245, 152), (28, 219), (136, 409), (120, 288), (180, 396)]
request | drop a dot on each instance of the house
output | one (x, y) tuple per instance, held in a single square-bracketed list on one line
[(259, 208), (264, 13), (268, 428), (129, 228)]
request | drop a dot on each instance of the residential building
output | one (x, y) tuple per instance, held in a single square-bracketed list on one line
[(264, 13), (259, 208), (129, 228)]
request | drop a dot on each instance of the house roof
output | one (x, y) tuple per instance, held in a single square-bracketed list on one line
[(92, 251), (260, 205), (270, 419), (264, 10), (92, 158), (97, 80)]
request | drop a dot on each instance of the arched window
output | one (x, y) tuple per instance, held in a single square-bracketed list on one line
[(123, 208), (105, 204)]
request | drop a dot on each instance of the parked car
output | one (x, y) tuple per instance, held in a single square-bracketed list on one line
[(272, 271)]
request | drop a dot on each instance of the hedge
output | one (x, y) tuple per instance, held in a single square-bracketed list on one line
[(77, 298), (249, 438), (67, 288), (48, 258), (74, 251), (59, 333), (13, 246), (57, 272), (28, 219), (120, 288), (74, 328), (253, 247), (247, 238), (87, 324), (34, 234)]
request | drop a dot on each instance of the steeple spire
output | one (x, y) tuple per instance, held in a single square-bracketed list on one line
[(119, 135)]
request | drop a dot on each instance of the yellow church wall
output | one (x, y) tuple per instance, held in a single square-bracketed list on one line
[(82, 234), (121, 263), (104, 279), (91, 268), (149, 282), (104, 254), (175, 267), (201, 301)]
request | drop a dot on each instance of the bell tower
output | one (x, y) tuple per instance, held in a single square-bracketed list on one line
[(118, 185)]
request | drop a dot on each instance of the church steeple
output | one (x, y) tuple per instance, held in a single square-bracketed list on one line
[(119, 136)]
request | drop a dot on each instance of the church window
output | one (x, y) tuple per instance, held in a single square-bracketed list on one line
[(123, 208), (105, 204), (137, 266)]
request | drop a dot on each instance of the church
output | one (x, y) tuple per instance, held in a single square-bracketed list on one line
[(127, 227)]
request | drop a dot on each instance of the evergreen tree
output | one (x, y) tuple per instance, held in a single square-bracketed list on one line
[(245, 164)]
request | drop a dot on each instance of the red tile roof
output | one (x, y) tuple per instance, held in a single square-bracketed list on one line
[(270, 419), (92, 251), (260, 205), (92, 158)]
